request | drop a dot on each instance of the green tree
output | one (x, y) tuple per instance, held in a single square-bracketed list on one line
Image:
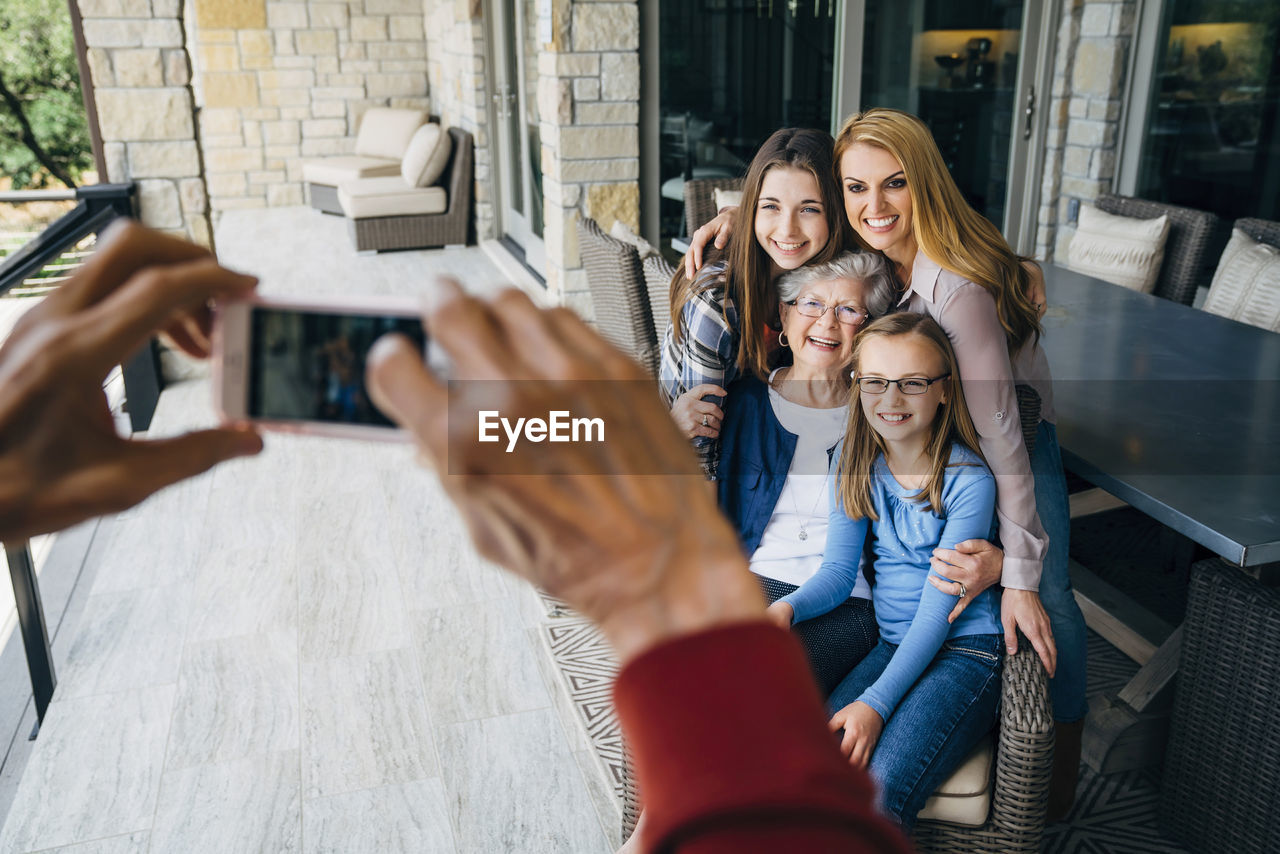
[(44, 136)]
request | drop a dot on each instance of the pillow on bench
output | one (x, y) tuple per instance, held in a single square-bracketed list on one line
[(426, 156), (1246, 285), (1119, 249)]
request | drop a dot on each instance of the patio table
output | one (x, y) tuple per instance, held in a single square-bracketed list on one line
[(1175, 412)]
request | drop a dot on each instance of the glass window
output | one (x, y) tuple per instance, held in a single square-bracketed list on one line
[(1212, 134)]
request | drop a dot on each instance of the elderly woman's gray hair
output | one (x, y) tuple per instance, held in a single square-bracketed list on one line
[(870, 268)]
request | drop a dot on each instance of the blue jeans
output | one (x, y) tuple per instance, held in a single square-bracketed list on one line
[(1067, 687), (951, 706)]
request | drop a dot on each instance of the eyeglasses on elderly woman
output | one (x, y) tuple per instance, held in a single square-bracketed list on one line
[(846, 314)]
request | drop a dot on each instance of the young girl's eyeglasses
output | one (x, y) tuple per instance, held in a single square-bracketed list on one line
[(909, 385), (846, 314)]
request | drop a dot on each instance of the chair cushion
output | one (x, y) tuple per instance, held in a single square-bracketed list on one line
[(426, 156), (622, 231), (727, 198), (386, 131), (1119, 249), (965, 797), (338, 170), (390, 196), (1246, 286)]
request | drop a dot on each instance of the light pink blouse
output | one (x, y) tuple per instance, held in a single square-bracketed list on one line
[(967, 313)]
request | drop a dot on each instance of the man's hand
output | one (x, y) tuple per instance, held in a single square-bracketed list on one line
[(61, 460), (976, 564), (695, 416), (862, 726), (1022, 609), (716, 232), (647, 558)]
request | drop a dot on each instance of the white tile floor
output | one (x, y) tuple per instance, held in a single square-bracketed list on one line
[(301, 652)]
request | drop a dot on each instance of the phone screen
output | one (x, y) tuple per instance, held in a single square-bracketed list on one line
[(309, 366)]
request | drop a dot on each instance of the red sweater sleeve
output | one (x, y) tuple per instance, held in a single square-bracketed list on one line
[(733, 754)]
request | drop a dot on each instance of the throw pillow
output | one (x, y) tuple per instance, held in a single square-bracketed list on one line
[(727, 198), (1246, 285), (621, 231), (1119, 249), (427, 154)]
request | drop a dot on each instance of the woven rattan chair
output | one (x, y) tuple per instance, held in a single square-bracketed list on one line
[(1221, 787), (657, 280), (1188, 253), (421, 231), (700, 199), (618, 294), (1261, 230)]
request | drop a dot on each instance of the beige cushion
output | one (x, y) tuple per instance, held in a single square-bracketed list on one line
[(386, 131), (622, 231), (426, 156), (1246, 286), (727, 198), (338, 170), (965, 797), (370, 197), (1119, 249)]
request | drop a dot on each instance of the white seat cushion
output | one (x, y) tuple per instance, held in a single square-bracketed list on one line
[(1246, 285), (622, 231), (386, 131), (427, 155), (391, 196), (965, 797), (1119, 249), (334, 171), (727, 198)]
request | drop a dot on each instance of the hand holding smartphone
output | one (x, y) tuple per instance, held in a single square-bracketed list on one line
[(299, 365)]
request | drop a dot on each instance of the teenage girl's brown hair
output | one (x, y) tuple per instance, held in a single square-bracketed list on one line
[(862, 444), (946, 228), (747, 278)]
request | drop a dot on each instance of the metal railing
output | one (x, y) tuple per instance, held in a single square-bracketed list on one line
[(37, 267)]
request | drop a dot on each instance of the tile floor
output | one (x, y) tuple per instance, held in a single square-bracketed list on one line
[(302, 652)]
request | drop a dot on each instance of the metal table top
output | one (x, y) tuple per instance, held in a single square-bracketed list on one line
[(1169, 408)]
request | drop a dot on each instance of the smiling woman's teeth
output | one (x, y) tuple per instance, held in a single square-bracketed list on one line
[(824, 342), (788, 247), (882, 221), (894, 418)]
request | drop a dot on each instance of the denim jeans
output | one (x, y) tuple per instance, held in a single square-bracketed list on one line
[(1067, 687), (951, 706)]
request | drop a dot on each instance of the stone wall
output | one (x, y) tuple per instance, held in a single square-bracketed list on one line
[(589, 101), (281, 82), (1092, 61), (141, 76), (456, 71)]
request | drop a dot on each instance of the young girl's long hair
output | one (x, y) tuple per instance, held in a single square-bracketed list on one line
[(946, 228), (862, 444), (746, 280)]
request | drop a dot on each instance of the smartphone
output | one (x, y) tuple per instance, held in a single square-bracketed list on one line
[(298, 365)]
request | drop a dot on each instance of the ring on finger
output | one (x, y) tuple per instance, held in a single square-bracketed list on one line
[(706, 421), (964, 591)]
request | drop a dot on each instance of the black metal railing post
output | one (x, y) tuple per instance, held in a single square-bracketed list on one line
[(35, 635)]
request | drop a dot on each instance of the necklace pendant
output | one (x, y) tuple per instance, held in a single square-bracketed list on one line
[(804, 535)]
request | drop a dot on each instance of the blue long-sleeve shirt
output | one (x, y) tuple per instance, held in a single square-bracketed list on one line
[(910, 611)]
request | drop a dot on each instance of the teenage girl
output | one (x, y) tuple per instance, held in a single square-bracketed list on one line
[(910, 469), (722, 317)]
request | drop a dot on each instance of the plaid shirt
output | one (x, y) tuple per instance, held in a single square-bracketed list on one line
[(707, 353)]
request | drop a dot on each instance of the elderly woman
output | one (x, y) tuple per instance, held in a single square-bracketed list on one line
[(776, 444)]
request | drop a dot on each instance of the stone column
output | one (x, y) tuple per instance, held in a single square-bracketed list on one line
[(141, 75), (589, 100), (1094, 40)]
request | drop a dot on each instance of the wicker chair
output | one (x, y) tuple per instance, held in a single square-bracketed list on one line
[(657, 278), (1221, 786), (1261, 230), (700, 199), (421, 231), (1188, 253), (618, 294)]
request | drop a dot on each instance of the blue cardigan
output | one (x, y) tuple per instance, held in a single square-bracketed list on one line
[(755, 457)]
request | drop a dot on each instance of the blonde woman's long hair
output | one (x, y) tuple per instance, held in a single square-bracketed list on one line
[(946, 228), (862, 444), (747, 273)]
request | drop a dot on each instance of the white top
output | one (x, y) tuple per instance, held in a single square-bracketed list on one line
[(805, 499)]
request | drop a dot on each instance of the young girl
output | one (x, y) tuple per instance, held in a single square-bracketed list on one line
[(720, 318), (909, 468)]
